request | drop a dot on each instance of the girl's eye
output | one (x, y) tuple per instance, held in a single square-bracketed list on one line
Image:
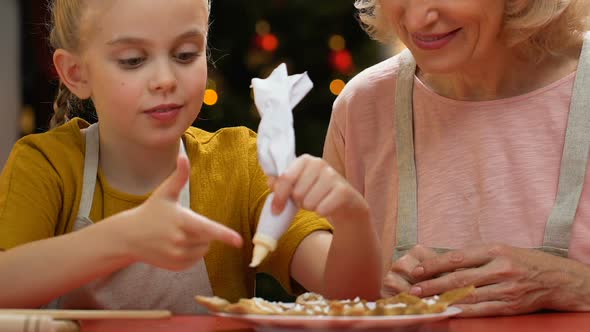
[(131, 63), (186, 57)]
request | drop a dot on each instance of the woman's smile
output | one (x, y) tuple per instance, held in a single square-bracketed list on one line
[(433, 41)]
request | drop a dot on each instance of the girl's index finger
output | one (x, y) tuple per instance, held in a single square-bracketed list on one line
[(209, 230)]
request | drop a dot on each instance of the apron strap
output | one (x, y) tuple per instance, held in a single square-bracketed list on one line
[(572, 171), (575, 158), (90, 171), (125, 288), (407, 207), (185, 194)]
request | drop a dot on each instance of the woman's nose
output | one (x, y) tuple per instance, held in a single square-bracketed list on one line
[(420, 15), (164, 79)]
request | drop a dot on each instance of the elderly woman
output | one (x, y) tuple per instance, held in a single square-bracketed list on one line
[(471, 147)]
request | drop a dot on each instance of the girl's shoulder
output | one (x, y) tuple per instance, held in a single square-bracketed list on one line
[(49, 160), (228, 152), (229, 140), (221, 136), (61, 142)]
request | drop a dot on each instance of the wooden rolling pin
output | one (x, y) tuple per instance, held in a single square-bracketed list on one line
[(35, 323), (90, 314), (41, 320)]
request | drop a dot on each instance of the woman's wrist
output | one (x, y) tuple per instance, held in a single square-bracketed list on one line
[(568, 286)]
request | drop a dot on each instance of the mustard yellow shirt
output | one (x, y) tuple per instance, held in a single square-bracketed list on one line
[(41, 187)]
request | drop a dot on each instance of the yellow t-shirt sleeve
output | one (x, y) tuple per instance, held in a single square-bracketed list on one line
[(30, 197), (278, 263)]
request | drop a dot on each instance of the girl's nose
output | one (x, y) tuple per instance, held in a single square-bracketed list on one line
[(164, 79), (420, 14)]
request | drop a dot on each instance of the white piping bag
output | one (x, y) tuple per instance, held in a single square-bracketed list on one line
[(275, 97)]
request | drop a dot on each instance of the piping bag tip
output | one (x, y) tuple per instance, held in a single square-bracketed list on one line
[(259, 254)]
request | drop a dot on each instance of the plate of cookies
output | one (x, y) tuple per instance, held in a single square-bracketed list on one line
[(312, 311)]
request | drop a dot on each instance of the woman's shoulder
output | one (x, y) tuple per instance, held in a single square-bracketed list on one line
[(374, 79), (371, 90)]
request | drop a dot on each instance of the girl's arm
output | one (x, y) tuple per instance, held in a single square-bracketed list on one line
[(343, 265), (170, 237), (339, 266), (33, 274)]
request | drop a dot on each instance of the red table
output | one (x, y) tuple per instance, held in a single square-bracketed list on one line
[(541, 322)]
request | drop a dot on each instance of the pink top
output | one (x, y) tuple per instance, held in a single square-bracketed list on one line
[(487, 171)]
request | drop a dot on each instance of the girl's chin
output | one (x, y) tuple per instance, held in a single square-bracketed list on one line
[(163, 138)]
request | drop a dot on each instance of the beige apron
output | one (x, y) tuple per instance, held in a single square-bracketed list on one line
[(572, 172), (138, 286)]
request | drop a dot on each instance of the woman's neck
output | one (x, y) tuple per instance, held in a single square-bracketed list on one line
[(136, 169), (502, 75)]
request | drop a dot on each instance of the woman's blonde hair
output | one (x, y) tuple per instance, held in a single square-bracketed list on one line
[(64, 33), (535, 27)]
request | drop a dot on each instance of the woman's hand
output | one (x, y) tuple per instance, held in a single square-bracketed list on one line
[(315, 186), (399, 278), (508, 280), (161, 232)]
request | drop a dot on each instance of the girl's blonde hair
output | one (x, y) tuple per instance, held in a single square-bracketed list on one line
[(536, 27), (64, 33)]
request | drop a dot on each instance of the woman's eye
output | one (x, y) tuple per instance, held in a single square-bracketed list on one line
[(186, 57), (131, 63)]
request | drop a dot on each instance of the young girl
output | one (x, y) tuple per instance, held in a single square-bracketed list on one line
[(76, 218)]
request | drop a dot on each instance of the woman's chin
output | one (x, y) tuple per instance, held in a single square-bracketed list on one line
[(441, 65)]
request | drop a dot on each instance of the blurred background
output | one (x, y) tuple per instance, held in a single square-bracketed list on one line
[(247, 39)]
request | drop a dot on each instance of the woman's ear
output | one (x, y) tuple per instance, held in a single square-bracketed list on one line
[(71, 72)]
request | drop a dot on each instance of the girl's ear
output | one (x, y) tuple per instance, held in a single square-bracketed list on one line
[(71, 72)]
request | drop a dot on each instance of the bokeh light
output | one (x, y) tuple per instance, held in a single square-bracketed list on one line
[(269, 42), (336, 86), (262, 27), (337, 43), (211, 97)]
